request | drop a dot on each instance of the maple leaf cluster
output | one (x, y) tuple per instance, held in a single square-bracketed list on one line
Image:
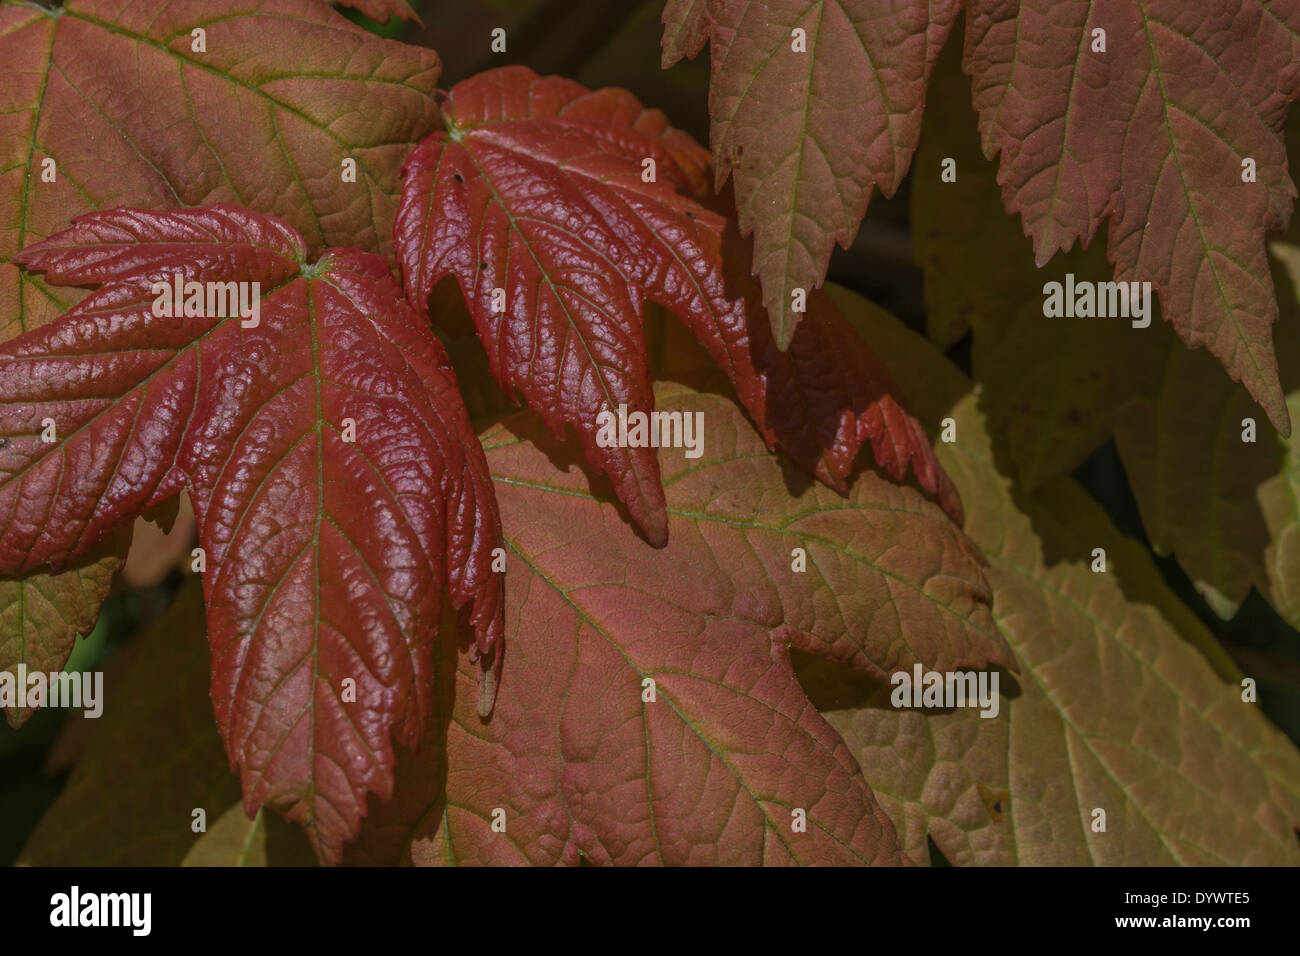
[(428, 632), (337, 484), (1162, 119)]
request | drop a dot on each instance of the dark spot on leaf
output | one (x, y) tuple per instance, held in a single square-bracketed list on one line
[(993, 801), (459, 178), (690, 215), (4, 442), (482, 264)]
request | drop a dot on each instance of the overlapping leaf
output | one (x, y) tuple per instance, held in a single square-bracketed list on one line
[(1225, 506), (1113, 709), (1052, 388), (578, 762), (335, 479), (235, 840), (535, 199), (117, 96), (1163, 118), (1154, 132), (128, 112), (808, 133), (42, 615)]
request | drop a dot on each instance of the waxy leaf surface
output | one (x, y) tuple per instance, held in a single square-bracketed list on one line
[(580, 759), (535, 199), (336, 481)]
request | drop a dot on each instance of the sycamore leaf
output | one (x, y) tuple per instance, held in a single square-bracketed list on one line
[(336, 482), (110, 103), (1165, 118), (1052, 388), (1205, 494), (234, 840), (1224, 506), (579, 762), (555, 209), (813, 103), (686, 29), (42, 615), (1112, 710)]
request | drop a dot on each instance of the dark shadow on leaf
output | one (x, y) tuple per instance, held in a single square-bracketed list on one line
[(832, 686), (565, 455), (415, 811), (286, 843)]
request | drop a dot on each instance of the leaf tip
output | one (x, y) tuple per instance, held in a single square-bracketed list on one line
[(783, 332), (1276, 409)]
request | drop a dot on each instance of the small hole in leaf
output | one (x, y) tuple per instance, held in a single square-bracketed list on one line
[(4, 442), (690, 215), (460, 178), (482, 264)]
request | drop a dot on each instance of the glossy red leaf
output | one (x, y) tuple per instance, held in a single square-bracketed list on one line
[(567, 205), (336, 482)]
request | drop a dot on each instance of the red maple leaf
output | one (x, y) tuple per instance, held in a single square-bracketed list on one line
[(335, 479), (558, 212)]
